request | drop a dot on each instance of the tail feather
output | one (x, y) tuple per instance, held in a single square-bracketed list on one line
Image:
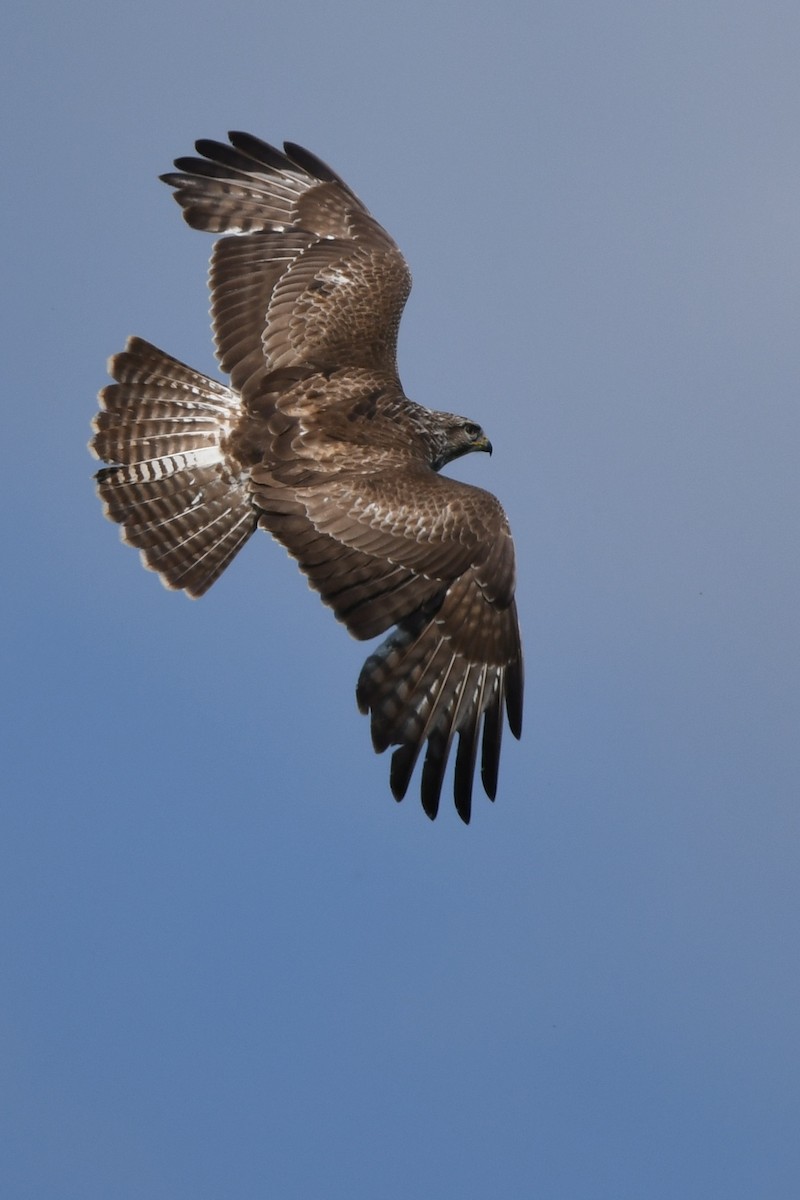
[(177, 496)]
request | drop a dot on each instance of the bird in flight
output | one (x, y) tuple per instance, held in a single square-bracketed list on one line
[(315, 441)]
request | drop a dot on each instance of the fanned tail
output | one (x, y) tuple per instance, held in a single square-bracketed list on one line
[(177, 496)]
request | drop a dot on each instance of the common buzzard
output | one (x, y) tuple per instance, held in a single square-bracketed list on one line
[(315, 441)]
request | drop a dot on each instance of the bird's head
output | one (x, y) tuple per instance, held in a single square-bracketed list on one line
[(456, 436)]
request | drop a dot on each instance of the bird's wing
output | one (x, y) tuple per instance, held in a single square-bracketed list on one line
[(434, 556), (309, 277)]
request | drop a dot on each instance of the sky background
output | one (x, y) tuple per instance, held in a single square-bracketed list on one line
[(232, 966)]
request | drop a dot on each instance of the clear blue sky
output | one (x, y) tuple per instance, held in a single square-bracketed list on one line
[(232, 966)]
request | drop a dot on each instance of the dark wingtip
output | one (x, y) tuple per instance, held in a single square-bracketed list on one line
[(315, 166), (490, 751), (309, 162), (464, 808), (430, 804), (433, 774), (259, 150), (515, 686), (465, 770)]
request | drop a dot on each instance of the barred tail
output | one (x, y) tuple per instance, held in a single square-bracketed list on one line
[(171, 488)]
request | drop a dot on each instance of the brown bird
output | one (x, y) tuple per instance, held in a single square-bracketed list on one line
[(316, 442)]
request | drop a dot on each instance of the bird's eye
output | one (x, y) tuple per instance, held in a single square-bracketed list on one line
[(472, 431)]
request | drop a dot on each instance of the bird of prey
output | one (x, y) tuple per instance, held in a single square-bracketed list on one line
[(315, 441)]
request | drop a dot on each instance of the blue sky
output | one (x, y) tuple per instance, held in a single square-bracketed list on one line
[(232, 965)]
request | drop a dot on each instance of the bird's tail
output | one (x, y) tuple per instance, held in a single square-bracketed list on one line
[(171, 488)]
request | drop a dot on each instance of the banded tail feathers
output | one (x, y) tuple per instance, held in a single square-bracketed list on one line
[(172, 489)]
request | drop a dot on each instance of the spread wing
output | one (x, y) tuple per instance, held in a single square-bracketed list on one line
[(409, 541), (316, 441), (309, 277)]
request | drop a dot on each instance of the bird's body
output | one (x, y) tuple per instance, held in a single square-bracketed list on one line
[(316, 442)]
